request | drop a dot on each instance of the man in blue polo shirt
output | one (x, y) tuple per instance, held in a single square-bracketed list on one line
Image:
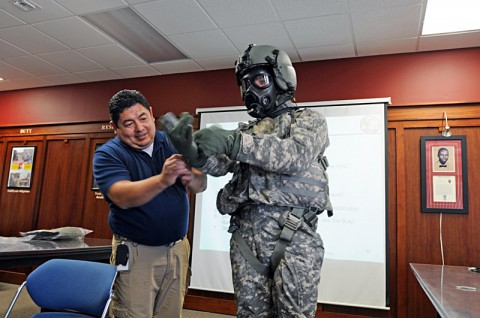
[(146, 183)]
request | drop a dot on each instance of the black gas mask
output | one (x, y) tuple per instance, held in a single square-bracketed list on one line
[(259, 92)]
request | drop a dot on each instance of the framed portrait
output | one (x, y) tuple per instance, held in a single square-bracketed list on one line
[(444, 174), (21, 167)]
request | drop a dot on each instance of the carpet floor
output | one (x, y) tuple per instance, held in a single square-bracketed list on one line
[(25, 307)]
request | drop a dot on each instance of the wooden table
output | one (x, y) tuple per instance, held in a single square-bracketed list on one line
[(453, 290), (24, 254)]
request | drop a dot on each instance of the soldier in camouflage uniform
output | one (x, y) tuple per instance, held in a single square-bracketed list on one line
[(279, 185)]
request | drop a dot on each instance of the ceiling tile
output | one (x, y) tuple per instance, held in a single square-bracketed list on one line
[(71, 61), (228, 13), (320, 31), (362, 5), (387, 47), (62, 30), (204, 44), (8, 50), (136, 1), (9, 72), (7, 20), (34, 65), (226, 62), (23, 83), (31, 40), (101, 75), (269, 33), (327, 52), (82, 7), (387, 23), (54, 40), (175, 16), (292, 10), (48, 10), (111, 56), (136, 71), (63, 79), (181, 66)]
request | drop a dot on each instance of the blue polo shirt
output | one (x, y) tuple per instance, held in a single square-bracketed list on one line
[(162, 220)]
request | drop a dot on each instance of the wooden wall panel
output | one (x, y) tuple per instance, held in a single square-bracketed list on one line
[(95, 214), (62, 195), (2, 156), (422, 231), (459, 231), (392, 236), (18, 206), (418, 235), (64, 182)]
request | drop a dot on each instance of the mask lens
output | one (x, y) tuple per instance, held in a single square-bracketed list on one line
[(262, 81)]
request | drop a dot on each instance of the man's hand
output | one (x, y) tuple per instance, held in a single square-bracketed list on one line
[(215, 141), (173, 168), (181, 138)]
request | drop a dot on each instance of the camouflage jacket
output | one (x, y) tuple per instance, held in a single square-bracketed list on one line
[(279, 163)]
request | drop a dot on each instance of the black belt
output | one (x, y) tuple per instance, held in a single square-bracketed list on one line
[(122, 238)]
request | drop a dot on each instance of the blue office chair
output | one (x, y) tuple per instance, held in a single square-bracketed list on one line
[(70, 288)]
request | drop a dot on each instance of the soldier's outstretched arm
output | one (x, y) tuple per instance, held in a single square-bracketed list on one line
[(307, 141)]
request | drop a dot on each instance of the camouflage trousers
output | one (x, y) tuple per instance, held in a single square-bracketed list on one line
[(292, 292)]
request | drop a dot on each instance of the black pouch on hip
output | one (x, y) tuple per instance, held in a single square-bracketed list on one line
[(122, 257)]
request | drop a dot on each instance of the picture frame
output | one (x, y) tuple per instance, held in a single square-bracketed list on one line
[(444, 175), (20, 172)]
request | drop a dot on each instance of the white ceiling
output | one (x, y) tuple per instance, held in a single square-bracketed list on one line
[(53, 45)]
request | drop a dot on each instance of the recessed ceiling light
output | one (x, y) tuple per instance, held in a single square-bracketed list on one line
[(25, 5), (449, 16), (133, 32)]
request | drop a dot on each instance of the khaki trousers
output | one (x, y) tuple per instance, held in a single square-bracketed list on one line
[(156, 282)]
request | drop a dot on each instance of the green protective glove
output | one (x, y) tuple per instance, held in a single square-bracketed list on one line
[(216, 141), (182, 139)]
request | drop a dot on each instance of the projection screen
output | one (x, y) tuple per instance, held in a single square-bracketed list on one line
[(354, 271)]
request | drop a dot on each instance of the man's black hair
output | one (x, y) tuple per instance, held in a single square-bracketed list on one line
[(125, 99)]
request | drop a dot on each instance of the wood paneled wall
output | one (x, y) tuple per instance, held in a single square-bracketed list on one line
[(61, 191), (418, 234), (61, 195)]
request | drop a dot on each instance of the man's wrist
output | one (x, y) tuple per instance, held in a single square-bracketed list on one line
[(236, 145), (161, 184)]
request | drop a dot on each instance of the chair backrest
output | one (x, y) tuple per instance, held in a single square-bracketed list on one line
[(74, 285)]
